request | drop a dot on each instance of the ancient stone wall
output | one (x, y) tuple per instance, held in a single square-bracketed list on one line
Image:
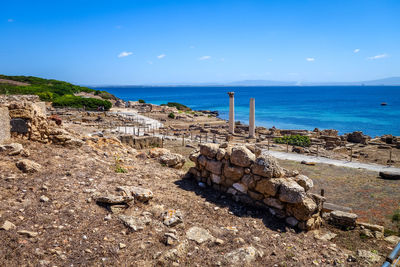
[(4, 124), (27, 117), (258, 180), (140, 142)]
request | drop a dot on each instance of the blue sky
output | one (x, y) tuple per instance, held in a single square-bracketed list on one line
[(149, 42)]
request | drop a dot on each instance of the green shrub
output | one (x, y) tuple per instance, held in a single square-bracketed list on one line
[(171, 115), (141, 101), (294, 140), (46, 96), (178, 106), (80, 102)]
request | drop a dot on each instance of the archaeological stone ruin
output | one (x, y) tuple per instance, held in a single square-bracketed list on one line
[(258, 180)]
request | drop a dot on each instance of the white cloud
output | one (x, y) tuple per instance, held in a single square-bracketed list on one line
[(161, 56), (204, 57), (378, 56), (310, 59), (356, 50), (10, 20), (124, 54)]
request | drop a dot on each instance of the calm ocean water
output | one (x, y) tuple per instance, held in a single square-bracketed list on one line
[(345, 108)]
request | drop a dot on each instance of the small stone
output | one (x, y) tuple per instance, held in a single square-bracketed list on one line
[(326, 237), (393, 239), (28, 166), (292, 221), (27, 233), (7, 225), (202, 185), (199, 235), (172, 217), (108, 217), (122, 245), (219, 241), (43, 198), (368, 255)]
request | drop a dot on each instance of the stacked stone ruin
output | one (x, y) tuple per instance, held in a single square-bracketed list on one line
[(258, 180), (28, 120)]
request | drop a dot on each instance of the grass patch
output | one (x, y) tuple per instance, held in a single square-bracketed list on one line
[(178, 106), (294, 140)]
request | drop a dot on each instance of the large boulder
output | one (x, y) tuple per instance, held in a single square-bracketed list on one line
[(12, 149), (233, 173), (291, 192), (389, 175), (304, 182), (28, 166), (209, 150), (358, 137), (267, 166), (214, 166), (173, 160), (343, 219), (241, 156), (269, 187), (303, 210)]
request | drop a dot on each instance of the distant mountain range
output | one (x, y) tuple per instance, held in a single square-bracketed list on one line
[(387, 81), (392, 81)]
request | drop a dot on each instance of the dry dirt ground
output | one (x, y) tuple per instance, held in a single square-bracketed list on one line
[(73, 230)]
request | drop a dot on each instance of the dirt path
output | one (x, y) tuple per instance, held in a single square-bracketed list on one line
[(341, 163)]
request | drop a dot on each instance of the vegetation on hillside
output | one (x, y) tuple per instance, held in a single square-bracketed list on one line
[(59, 92), (179, 106), (294, 140)]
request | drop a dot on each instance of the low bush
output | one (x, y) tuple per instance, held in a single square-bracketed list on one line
[(171, 115), (294, 140), (141, 101), (177, 105), (81, 102)]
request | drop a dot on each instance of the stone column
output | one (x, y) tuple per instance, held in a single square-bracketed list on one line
[(252, 127), (231, 112)]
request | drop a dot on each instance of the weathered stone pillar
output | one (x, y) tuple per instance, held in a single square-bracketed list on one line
[(4, 124), (252, 127), (231, 112)]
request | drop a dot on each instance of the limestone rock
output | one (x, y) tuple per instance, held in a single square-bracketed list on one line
[(111, 199), (157, 152), (267, 166), (199, 235), (303, 210), (173, 160), (173, 254), (209, 150), (291, 192), (393, 239), (326, 237), (194, 155), (269, 187), (304, 182), (216, 179), (13, 149), (135, 223), (172, 217), (242, 157), (343, 219), (7, 225), (233, 173), (214, 166), (369, 256), (140, 194), (273, 202), (220, 153), (28, 166), (241, 257), (27, 233), (372, 227), (240, 187)]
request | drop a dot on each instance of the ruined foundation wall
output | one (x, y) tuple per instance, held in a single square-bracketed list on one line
[(141, 142), (258, 181)]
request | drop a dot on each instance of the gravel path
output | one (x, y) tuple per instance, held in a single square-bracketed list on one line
[(343, 163)]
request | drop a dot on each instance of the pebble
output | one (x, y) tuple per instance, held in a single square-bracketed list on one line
[(7, 225), (43, 198), (27, 233), (122, 245)]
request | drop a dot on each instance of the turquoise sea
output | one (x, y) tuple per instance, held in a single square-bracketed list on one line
[(345, 108)]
